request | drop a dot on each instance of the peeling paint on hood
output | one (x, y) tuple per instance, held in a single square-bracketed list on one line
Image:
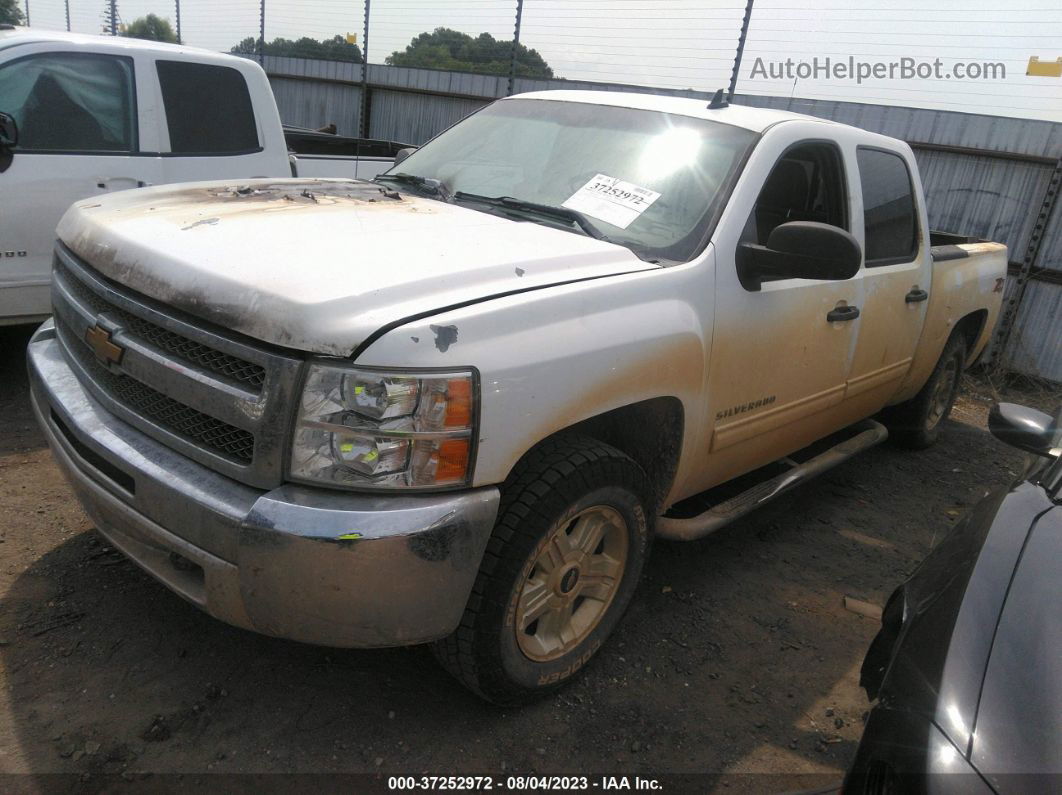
[(319, 265)]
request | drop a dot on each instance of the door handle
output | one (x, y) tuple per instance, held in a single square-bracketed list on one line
[(915, 296), (842, 314), (104, 183)]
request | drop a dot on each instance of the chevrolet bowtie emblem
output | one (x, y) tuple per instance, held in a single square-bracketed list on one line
[(99, 339)]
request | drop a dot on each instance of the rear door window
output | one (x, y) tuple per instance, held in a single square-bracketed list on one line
[(890, 222), (71, 102), (208, 109)]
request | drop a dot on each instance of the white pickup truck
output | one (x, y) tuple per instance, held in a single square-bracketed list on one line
[(85, 115), (455, 405)]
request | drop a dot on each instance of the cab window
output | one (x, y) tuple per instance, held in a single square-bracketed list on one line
[(208, 109), (806, 184), (890, 222), (71, 102)]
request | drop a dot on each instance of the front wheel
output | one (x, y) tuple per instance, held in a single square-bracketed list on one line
[(559, 571), (916, 423)]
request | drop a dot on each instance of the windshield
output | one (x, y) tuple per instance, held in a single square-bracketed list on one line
[(648, 180)]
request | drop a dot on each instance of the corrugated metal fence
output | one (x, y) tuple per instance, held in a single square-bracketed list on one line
[(984, 176)]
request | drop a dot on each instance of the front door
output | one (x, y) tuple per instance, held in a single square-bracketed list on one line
[(781, 354), (76, 114)]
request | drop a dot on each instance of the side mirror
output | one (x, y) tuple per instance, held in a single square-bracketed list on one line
[(8, 131), (1025, 428), (800, 250), (402, 154)]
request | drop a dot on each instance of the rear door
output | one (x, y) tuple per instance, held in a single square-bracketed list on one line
[(78, 137), (896, 275), (209, 127)]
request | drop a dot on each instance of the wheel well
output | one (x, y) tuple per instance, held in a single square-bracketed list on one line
[(650, 432), (971, 327)]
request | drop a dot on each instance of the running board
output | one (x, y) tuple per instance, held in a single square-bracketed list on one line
[(866, 434)]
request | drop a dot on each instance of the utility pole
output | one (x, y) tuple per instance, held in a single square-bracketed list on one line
[(516, 45), (67, 15), (740, 50), (110, 17), (261, 33), (1008, 316), (27, 13), (366, 106), (178, 3)]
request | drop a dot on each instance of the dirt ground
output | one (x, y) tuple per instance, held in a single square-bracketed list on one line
[(736, 659)]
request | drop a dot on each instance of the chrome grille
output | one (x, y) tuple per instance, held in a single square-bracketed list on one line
[(219, 398), (222, 438), (192, 352)]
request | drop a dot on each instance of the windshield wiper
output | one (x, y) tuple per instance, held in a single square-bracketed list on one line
[(510, 203), (427, 185)]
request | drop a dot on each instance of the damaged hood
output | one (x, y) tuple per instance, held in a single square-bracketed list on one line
[(319, 265)]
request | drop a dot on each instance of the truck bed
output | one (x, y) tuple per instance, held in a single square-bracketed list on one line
[(317, 154), (946, 246), (966, 272)]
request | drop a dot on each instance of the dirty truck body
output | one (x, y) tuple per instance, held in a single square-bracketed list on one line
[(362, 414), (98, 114)]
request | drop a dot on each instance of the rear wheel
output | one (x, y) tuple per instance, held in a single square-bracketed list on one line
[(917, 422), (560, 569)]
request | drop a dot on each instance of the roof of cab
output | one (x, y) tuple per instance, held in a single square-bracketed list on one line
[(755, 119), (99, 43)]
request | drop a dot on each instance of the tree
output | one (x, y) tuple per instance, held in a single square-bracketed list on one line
[(336, 48), (450, 49), (151, 28), (10, 13)]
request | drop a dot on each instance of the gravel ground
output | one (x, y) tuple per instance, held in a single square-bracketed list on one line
[(736, 659)]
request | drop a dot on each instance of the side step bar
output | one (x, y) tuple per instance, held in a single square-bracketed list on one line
[(867, 434)]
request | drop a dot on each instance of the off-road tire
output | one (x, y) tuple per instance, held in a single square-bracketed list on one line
[(916, 423), (549, 488)]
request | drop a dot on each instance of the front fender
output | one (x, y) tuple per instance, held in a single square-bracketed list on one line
[(551, 358)]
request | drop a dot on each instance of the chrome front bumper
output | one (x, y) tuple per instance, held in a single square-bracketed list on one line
[(318, 566)]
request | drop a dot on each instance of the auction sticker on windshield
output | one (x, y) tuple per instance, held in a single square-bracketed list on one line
[(612, 200)]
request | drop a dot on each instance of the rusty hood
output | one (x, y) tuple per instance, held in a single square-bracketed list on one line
[(319, 265)]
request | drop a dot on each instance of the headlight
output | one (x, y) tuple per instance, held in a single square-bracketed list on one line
[(384, 429)]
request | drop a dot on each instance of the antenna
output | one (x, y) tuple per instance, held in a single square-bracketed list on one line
[(719, 100)]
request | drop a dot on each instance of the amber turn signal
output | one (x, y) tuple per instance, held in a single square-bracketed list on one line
[(452, 465)]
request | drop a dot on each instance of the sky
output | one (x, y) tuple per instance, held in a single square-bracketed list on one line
[(685, 43)]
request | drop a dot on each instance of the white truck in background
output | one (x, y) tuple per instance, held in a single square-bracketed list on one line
[(88, 115), (454, 406)]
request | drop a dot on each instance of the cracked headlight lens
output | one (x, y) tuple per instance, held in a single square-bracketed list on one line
[(384, 429)]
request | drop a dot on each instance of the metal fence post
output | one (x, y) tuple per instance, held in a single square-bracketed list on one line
[(261, 32), (516, 45), (178, 4), (1009, 315), (366, 105), (740, 50)]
